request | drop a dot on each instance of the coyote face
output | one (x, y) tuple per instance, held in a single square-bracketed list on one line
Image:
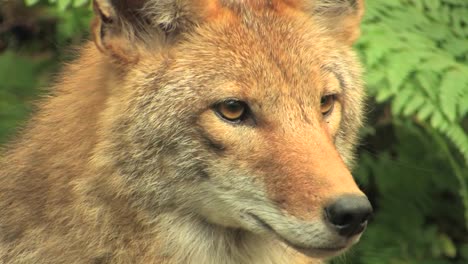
[(242, 114)]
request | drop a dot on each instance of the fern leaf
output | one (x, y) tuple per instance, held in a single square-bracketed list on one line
[(402, 99), (432, 4), (437, 119), (399, 67), (428, 81), (413, 105), (463, 107), (425, 111), (438, 62), (450, 92)]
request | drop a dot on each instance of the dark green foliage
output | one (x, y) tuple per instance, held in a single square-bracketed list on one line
[(414, 157), (33, 42), (17, 74)]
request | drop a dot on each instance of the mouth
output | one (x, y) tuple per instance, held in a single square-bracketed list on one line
[(320, 251)]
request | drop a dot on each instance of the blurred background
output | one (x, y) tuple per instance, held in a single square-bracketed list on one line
[(414, 154)]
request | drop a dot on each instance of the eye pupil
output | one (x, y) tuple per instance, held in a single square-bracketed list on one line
[(326, 104), (233, 106), (231, 110), (323, 100)]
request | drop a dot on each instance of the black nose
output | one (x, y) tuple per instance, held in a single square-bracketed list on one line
[(349, 214)]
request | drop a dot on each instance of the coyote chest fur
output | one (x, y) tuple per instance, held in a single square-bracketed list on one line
[(211, 131)]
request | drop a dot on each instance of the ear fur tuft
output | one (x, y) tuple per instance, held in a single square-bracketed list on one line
[(342, 17)]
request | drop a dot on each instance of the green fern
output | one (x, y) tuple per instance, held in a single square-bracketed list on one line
[(415, 54), (408, 65), (408, 68)]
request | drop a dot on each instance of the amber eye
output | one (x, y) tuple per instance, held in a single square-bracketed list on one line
[(232, 110), (326, 104)]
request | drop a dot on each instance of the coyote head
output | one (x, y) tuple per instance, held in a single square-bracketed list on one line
[(241, 112)]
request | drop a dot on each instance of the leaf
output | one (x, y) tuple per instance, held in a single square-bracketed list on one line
[(401, 23), (428, 80), (445, 14), (456, 46), (464, 251), (378, 46), (402, 98), (447, 246), (375, 76), (418, 4), (437, 119), (425, 111), (432, 4), (460, 138), (435, 31), (63, 4), (399, 66), (78, 3), (463, 107), (413, 105), (458, 22), (383, 94), (437, 62), (31, 2), (450, 90)]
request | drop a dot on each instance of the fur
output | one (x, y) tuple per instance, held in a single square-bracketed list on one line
[(126, 161)]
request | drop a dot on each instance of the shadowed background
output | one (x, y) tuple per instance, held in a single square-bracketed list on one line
[(414, 152)]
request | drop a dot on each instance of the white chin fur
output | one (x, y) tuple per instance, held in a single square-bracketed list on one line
[(313, 239)]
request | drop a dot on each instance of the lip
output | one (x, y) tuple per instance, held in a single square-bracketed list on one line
[(309, 251), (314, 252), (330, 249)]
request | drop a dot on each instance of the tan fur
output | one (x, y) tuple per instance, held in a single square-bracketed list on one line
[(126, 162)]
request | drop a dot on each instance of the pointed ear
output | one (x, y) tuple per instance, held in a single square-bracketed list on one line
[(341, 17), (123, 28)]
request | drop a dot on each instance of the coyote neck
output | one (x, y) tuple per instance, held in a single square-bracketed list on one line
[(190, 239)]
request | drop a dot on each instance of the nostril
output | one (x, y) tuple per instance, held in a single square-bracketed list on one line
[(341, 220), (349, 214)]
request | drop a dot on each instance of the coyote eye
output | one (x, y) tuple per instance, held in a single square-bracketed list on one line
[(231, 110), (326, 104)]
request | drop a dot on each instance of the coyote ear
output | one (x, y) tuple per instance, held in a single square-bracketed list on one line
[(121, 28), (341, 17)]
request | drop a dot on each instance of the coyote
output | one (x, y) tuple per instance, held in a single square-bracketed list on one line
[(201, 132)]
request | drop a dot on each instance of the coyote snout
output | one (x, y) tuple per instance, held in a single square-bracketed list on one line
[(345, 220), (210, 131)]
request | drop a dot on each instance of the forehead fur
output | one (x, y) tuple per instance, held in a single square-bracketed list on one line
[(284, 53)]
